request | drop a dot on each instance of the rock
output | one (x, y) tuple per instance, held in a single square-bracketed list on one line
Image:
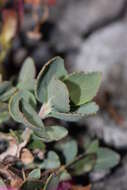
[(98, 175), (75, 18), (42, 53), (108, 131), (105, 51), (117, 181), (20, 55)]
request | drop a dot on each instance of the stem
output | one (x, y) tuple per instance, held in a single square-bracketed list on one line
[(65, 167)]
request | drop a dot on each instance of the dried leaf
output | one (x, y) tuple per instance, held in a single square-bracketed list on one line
[(26, 156), (12, 148), (14, 180), (9, 26)]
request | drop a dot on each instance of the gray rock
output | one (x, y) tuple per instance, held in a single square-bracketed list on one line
[(116, 181), (105, 51), (108, 131), (98, 175), (78, 17), (42, 53)]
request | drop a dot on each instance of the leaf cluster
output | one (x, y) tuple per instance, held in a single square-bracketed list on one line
[(54, 93)]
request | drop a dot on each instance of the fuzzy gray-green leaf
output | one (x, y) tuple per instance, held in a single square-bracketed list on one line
[(27, 75), (82, 111), (4, 116), (6, 90), (6, 95), (83, 87), (55, 67), (51, 162), (69, 149), (31, 115), (88, 109), (27, 85), (14, 102), (59, 95), (27, 72), (27, 115), (93, 147), (56, 133), (84, 164), (106, 159)]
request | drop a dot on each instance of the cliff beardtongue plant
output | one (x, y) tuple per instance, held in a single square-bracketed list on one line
[(53, 94)]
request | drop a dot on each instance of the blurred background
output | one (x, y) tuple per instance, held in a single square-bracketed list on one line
[(90, 35)]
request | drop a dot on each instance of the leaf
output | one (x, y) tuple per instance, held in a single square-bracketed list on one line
[(51, 162), (6, 90), (88, 108), (6, 95), (55, 67), (56, 133), (4, 116), (4, 87), (27, 72), (93, 147), (14, 107), (37, 144), (84, 110), (84, 164), (32, 185), (69, 149), (31, 115), (27, 115), (65, 176), (66, 116), (27, 75), (83, 87), (106, 159), (52, 182), (28, 85), (34, 174), (59, 95)]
